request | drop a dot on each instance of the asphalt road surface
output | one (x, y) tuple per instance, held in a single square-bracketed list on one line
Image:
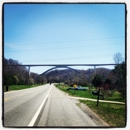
[(61, 111), (20, 106), (43, 106)]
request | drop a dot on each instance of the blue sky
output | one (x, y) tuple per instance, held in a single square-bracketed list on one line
[(63, 33)]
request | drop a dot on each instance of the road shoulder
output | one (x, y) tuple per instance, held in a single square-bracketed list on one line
[(91, 114)]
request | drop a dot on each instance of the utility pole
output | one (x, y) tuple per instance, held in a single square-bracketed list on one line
[(98, 96)]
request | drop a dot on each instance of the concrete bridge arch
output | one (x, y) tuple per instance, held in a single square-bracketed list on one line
[(59, 67)]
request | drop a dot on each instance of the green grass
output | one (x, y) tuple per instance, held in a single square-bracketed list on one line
[(87, 94), (19, 87), (116, 97), (113, 114)]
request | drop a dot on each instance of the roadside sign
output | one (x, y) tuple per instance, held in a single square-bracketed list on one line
[(75, 85)]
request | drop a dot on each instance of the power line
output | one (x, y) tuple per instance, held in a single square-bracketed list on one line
[(66, 41), (64, 47)]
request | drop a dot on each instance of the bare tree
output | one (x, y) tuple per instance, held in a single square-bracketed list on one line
[(16, 79), (31, 81), (118, 58)]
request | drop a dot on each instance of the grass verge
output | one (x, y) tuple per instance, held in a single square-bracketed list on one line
[(113, 114), (87, 94)]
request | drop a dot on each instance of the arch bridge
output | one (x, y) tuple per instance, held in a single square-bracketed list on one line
[(54, 66)]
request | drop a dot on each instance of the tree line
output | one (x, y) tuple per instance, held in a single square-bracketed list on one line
[(18, 75)]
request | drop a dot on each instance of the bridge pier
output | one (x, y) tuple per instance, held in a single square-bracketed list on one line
[(95, 69), (28, 73)]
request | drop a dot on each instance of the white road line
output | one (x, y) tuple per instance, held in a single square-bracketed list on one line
[(38, 111)]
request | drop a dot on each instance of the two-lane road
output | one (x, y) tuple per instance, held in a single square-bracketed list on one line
[(43, 106), (20, 106)]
